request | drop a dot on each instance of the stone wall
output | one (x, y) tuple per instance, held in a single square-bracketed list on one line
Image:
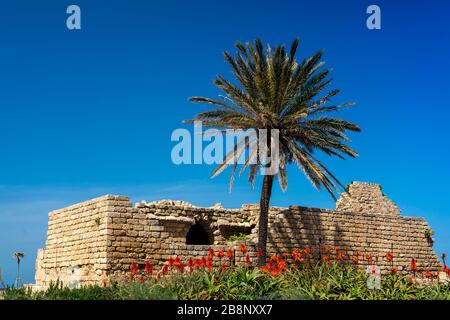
[(368, 233), (77, 244), (155, 231), (363, 197), (95, 241)]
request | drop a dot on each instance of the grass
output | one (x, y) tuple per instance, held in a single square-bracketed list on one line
[(320, 281)]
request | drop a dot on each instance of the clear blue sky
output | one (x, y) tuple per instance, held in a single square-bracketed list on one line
[(89, 112)]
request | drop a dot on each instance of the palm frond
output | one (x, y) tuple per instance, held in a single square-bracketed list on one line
[(274, 91)]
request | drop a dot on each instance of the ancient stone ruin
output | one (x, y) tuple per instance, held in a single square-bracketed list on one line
[(95, 241)]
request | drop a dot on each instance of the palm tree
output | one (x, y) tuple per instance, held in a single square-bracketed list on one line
[(18, 256), (274, 91)]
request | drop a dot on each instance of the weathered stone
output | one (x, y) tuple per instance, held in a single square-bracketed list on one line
[(365, 220)]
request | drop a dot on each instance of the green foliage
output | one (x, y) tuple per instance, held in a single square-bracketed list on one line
[(320, 281), (97, 221), (19, 256), (237, 237), (428, 233), (273, 90), (149, 290), (57, 291)]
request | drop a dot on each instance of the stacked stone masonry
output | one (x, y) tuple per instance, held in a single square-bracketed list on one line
[(96, 241)]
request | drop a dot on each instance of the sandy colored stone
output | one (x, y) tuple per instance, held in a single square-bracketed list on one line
[(364, 220)]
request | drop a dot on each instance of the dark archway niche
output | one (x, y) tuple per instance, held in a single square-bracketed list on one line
[(198, 235)]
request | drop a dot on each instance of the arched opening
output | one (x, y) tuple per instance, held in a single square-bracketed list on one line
[(198, 235)]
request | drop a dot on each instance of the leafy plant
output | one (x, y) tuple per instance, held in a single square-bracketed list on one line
[(97, 221), (319, 281), (237, 237), (328, 279), (429, 234)]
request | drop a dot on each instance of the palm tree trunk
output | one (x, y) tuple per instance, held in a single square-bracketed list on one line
[(266, 192)]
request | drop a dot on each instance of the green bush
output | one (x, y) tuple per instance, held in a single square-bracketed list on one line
[(237, 237), (320, 281)]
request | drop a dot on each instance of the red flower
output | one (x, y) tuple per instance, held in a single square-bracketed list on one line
[(368, 257), (142, 278), (224, 267), (209, 264), (389, 256), (428, 274), (171, 261), (355, 260), (326, 259), (220, 253), (243, 248), (275, 272), (297, 256), (198, 263), (260, 253), (336, 248), (190, 264), (306, 251), (281, 264), (413, 265), (327, 249), (340, 256), (177, 261), (211, 252), (394, 270), (356, 253), (247, 259), (230, 253), (148, 268), (265, 268), (165, 269), (134, 269)]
